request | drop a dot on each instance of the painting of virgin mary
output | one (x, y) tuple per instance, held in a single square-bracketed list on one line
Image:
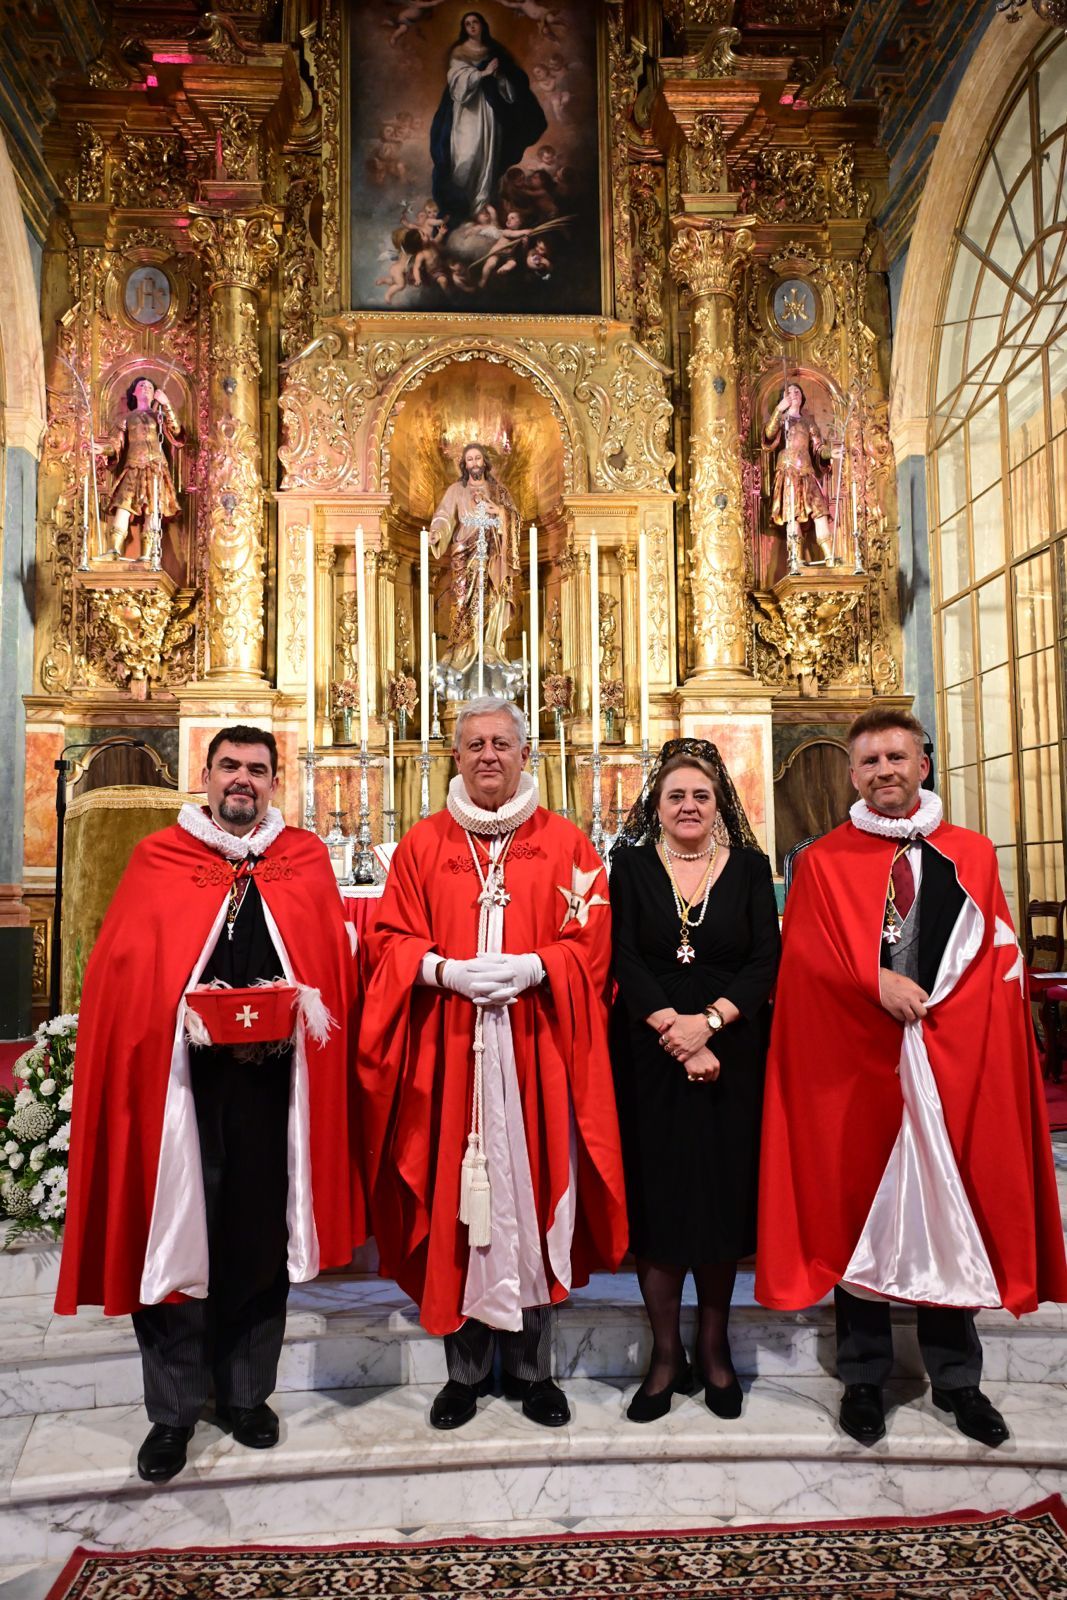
[(478, 185)]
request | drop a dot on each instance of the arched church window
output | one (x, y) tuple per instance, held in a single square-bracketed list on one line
[(998, 489)]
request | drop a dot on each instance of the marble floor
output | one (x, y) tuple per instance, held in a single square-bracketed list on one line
[(358, 1459)]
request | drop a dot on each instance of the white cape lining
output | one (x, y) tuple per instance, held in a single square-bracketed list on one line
[(921, 1242)]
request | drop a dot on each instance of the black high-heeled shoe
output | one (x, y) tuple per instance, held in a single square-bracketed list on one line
[(724, 1399), (646, 1407)]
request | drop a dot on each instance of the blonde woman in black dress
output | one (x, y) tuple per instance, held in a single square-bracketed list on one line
[(696, 943)]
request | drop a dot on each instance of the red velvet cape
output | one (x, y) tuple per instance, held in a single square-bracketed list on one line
[(833, 1103), (416, 1068), (154, 931)]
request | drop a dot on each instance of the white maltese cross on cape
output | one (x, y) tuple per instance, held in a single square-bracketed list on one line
[(580, 900)]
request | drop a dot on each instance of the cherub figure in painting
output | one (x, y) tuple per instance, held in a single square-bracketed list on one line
[(546, 17), (410, 14)]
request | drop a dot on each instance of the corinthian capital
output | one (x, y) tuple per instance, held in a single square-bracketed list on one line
[(709, 256), (239, 248)]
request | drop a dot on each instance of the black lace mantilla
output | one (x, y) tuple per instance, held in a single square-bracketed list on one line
[(643, 821)]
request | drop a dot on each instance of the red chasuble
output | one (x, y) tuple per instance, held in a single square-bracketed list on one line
[(833, 1105), (415, 1061), (157, 928)]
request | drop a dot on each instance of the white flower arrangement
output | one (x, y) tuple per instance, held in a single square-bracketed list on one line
[(35, 1132)]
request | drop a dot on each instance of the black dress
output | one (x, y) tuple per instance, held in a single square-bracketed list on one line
[(691, 1150)]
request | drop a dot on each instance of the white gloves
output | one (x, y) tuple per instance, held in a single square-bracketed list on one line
[(492, 980), (516, 973)]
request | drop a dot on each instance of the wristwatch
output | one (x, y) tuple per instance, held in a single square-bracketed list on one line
[(714, 1019)]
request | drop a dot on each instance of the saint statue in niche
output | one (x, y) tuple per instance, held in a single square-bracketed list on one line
[(144, 487), (798, 495), (478, 502)]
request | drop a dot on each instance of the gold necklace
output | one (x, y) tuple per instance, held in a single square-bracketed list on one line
[(242, 877), (685, 952)]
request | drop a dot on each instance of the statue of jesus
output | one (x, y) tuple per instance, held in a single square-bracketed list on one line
[(477, 500)]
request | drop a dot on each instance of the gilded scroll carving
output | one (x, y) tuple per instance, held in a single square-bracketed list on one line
[(148, 170), (705, 155), (646, 197), (295, 600), (814, 634)]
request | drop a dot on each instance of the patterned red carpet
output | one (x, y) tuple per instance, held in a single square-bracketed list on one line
[(969, 1556)]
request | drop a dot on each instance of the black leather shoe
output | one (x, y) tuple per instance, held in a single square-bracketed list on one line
[(650, 1406), (254, 1426), (724, 1399), (976, 1416), (862, 1413), (456, 1403), (542, 1400), (163, 1453)]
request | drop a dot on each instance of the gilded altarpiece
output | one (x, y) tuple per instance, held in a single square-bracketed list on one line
[(737, 197)]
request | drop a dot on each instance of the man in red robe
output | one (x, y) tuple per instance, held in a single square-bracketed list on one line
[(205, 1178), (493, 1164), (905, 1143)]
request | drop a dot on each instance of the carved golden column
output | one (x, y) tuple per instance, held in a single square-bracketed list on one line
[(325, 603), (632, 666), (709, 257), (238, 250), (387, 601)]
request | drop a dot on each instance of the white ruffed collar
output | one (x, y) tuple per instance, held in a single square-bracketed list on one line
[(921, 822), (198, 821), (511, 815)]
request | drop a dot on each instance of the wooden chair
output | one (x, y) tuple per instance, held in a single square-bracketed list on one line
[(1047, 978)]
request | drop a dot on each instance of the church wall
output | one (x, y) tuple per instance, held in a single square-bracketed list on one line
[(21, 423), (19, 480)]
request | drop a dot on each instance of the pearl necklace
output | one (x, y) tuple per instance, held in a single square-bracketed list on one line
[(685, 952), (688, 855)]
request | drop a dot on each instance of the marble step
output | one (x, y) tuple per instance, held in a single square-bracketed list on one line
[(356, 1333), (355, 1464)]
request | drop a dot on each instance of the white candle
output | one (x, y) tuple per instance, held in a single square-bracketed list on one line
[(337, 791), (309, 632), (642, 628), (563, 767), (594, 640), (424, 635), (535, 654), (361, 622), (390, 786)]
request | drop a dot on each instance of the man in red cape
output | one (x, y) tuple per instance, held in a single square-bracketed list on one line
[(493, 1164), (204, 1179), (905, 1143)]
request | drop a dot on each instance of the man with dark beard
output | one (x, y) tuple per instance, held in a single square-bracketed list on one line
[(487, 119), (206, 1177)]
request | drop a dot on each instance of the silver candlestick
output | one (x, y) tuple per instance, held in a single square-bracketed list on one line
[(435, 719), (310, 763), (389, 825), (596, 832), (535, 757), (646, 763), (424, 779), (364, 866)]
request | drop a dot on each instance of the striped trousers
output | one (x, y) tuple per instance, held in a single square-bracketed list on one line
[(469, 1351)]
